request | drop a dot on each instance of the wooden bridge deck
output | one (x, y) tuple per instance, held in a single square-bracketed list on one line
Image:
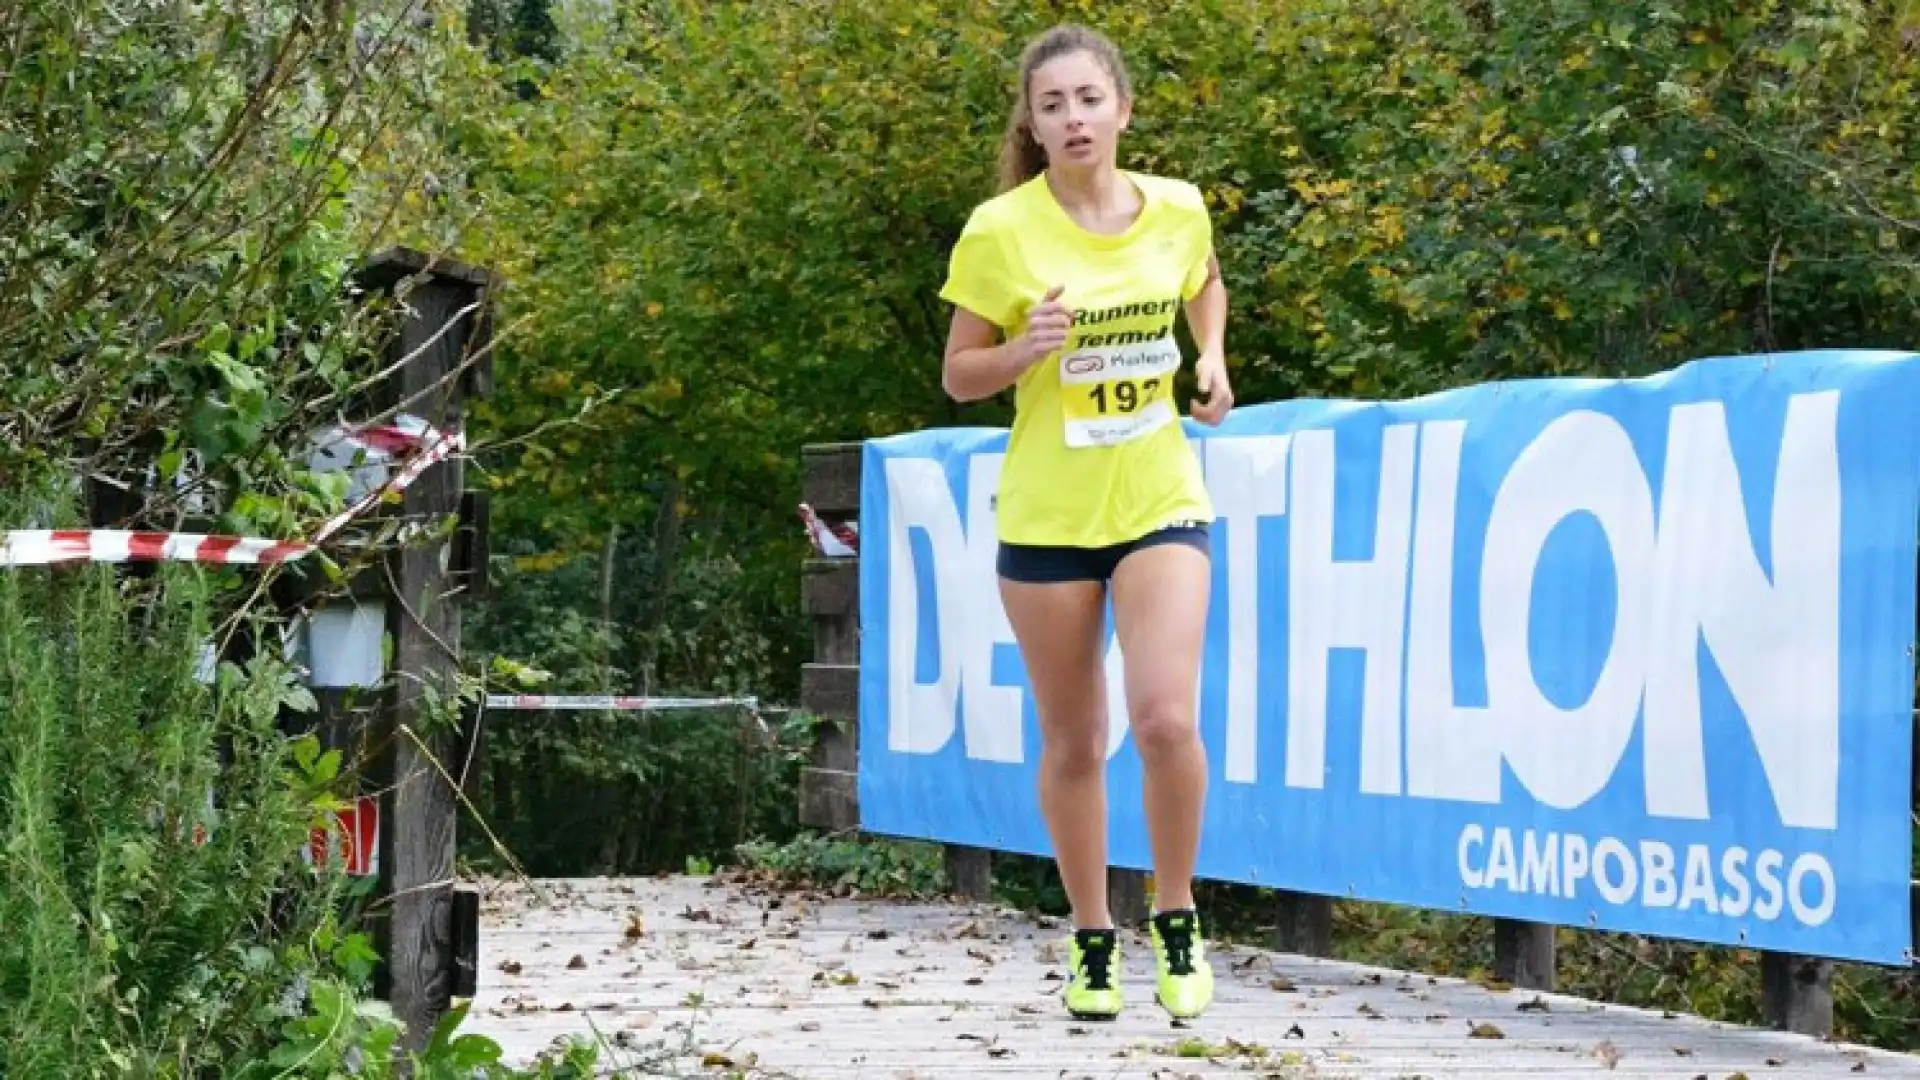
[(734, 980)]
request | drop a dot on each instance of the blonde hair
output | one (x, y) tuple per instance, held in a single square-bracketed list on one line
[(1021, 156)]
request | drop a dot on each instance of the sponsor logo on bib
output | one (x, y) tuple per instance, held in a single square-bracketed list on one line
[(1116, 393)]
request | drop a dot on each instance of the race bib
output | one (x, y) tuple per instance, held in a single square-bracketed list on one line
[(1112, 394)]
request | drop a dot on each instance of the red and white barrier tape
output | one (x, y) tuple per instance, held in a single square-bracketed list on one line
[(533, 702), (840, 541), (49, 547)]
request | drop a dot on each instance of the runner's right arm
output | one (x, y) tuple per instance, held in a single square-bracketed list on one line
[(975, 367)]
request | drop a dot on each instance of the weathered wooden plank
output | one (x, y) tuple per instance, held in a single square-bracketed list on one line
[(384, 269), (832, 693), (830, 587), (1303, 923), (1796, 993), (1523, 953), (830, 478), (473, 545), (466, 941), (1127, 896), (829, 799), (425, 624), (831, 690), (969, 871), (802, 986)]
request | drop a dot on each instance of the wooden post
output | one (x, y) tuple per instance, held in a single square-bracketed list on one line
[(445, 324), (1127, 897), (1303, 923), (1796, 993), (830, 685), (969, 871), (1523, 954)]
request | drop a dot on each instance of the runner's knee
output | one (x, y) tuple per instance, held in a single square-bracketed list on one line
[(1077, 749), (1163, 724)]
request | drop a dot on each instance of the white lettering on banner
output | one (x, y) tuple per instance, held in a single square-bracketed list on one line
[(1353, 603), (993, 712), (1583, 461), (1708, 582), (968, 623), (1685, 572), (1248, 480), (1730, 882), (1452, 752), (920, 716)]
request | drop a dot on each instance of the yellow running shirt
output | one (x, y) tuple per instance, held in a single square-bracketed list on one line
[(1097, 454)]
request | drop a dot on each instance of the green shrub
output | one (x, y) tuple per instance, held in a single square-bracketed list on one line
[(161, 921)]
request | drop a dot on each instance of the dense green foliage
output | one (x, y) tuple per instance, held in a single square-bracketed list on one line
[(722, 226), (725, 225), (184, 190), (160, 919)]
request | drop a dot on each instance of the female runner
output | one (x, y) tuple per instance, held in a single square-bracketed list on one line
[(1066, 286)]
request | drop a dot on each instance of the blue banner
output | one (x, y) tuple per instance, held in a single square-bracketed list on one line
[(1626, 654)]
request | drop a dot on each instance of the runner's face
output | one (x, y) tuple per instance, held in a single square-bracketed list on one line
[(1077, 115)]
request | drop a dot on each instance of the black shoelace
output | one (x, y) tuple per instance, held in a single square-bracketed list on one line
[(1177, 934), (1096, 958)]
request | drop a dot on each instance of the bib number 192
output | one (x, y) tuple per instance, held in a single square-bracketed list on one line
[(1123, 396), (1117, 393)]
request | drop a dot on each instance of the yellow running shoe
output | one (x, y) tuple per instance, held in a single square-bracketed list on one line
[(1185, 986), (1093, 989)]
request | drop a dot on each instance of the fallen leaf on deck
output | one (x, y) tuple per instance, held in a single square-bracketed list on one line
[(1485, 1031)]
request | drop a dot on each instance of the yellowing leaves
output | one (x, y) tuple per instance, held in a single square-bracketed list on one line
[(1371, 170), (545, 562)]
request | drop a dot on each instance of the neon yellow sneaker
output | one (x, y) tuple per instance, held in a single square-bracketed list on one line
[(1185, 986), (1093, 991)]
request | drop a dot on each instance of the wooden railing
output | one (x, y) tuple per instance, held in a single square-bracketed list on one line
[(1796, 990)]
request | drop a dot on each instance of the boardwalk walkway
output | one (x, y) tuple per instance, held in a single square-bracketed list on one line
[(747, 982)]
